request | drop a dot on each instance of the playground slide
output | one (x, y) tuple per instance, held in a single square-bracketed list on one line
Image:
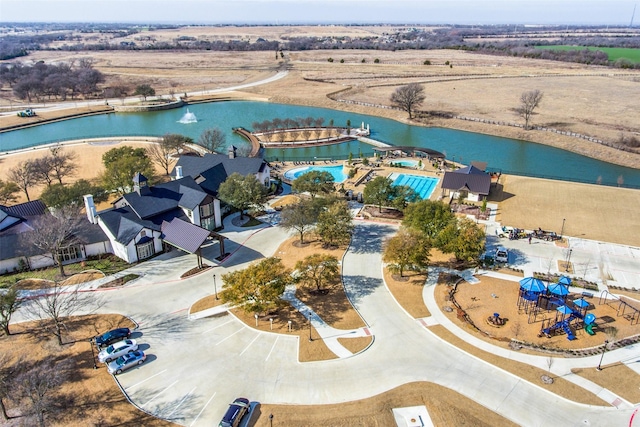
[(568, 331), (589, 328)]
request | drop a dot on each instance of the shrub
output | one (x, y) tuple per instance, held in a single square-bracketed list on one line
[(342, 61), (426, 62), (376, 61), (330, 59)]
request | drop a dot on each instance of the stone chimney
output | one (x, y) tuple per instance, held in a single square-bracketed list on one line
[(178, 172), (232, 152), (90, 207)]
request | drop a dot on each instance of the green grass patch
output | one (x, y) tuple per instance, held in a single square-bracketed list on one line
[(108, 264), (252, 223), (613, 53)]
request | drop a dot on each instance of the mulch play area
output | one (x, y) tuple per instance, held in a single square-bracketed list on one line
[(481, 300)]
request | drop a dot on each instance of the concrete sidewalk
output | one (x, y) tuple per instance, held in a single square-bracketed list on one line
[(327, 333), (561, 367)]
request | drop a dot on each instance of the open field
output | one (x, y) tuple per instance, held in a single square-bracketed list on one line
[(614, 53), (585, 99)]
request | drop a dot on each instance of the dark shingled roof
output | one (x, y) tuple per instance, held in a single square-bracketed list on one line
[(27, 209), (165, 197), (124, 224), (469, 178), (21, 213), (184, 235), (18, 244), (214, 169)]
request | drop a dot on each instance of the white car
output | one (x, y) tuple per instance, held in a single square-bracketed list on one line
[(116, 350), (502, 255)]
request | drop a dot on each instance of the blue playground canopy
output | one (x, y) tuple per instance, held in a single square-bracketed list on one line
[(580, 303), (531, 284), (558, 289), (564, 280), (564, 309)]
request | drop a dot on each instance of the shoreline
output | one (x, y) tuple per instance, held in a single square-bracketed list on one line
[(603, 153)]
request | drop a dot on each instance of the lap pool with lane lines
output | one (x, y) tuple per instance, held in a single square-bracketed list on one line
[(423, 185)]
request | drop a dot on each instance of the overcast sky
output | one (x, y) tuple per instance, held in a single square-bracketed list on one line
[(596, 12)]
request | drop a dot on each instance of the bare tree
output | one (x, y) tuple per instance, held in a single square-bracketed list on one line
[(56, 304), (7, 377), (10, 302), (39, 386), (56, 233), (160, 154), (408, 97), (22, 175), (63, 163), (529, 101), (213, 140), (42, 170)]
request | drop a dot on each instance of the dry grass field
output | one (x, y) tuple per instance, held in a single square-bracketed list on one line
[(579, 98)]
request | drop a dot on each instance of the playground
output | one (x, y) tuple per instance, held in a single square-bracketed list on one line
[(539, 313)]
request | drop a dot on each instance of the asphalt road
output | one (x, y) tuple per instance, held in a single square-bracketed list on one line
[(195, 368)]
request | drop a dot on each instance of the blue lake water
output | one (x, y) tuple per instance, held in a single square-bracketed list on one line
[(508, 155), (423, 185)]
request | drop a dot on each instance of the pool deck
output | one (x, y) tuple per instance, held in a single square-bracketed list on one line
[(357, 183)]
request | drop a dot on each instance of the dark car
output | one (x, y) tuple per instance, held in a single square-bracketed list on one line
[(112, 336), (238, 409)]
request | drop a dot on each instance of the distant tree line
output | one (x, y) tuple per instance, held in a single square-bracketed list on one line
[(508, 40), (51, 81)]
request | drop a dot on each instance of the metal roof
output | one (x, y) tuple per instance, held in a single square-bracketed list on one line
[(184, 235), (469, 178)]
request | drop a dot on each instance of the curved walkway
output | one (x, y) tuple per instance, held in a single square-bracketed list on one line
[(561, 366), (195, 368)]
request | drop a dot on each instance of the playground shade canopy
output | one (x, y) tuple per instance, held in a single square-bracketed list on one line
[(564, 280), (558, 289), (580, 303), (531, 284), (564, 309)]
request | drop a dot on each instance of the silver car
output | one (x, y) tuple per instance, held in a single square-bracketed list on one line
[(126, 361), (116, 350)]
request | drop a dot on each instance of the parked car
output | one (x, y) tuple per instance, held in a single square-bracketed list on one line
[(126, 361), (237, 410), (116, 350), (502, 255), (112, 336)]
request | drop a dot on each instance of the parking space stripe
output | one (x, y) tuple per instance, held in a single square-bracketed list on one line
[(219, 326), (181, 402), (143, 381), (272, 347), (249, 345), (202, 410), (224, 339), (159, 393)]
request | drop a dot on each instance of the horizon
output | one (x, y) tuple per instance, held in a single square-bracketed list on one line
[(323, 12)]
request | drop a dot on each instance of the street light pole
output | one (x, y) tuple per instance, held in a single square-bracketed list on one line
[(568, 259), (310, 339), (562, 230), (604, 349), (270, 420), (215, 288)]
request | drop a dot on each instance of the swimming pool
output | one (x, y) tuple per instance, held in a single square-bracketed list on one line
[(335, 171), (406, 163), (423, 185)]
